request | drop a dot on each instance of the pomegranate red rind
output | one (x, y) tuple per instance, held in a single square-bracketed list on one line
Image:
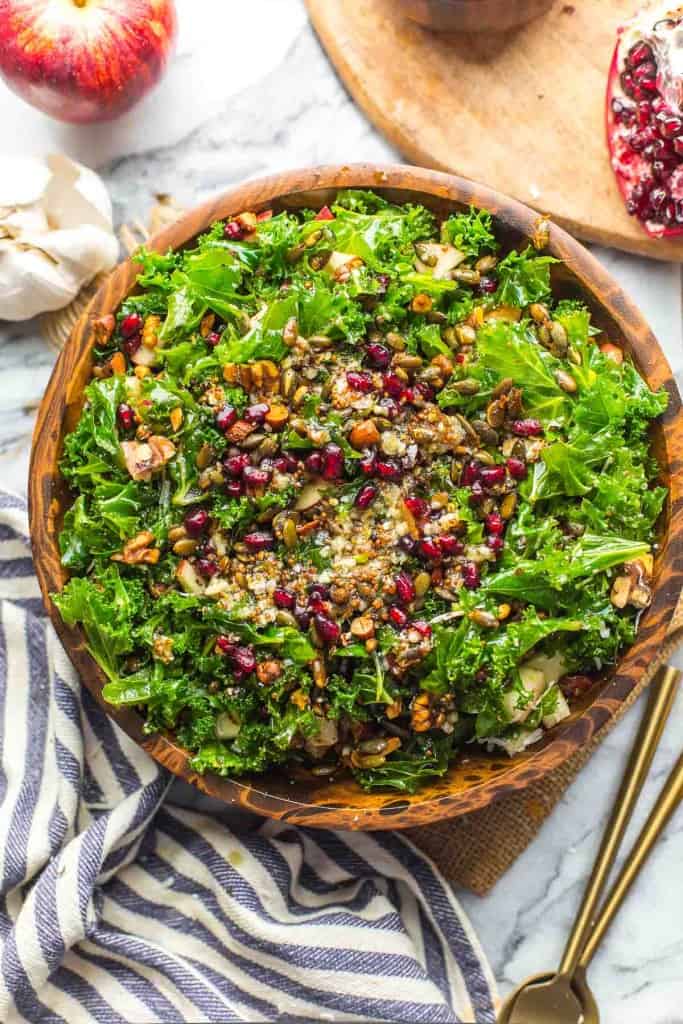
[(645, 117)]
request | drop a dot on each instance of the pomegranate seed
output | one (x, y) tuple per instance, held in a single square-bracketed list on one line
[(418, 506), (450, 545), (131, 324), (658, 199), (669, 127), (318, 591), (517, 469), (302, 616), (623, 112), (405, 588), (213, 339), (365, 496), (429, 549), (644, 72), (225, 644), (398, 617), (257, 413), (424, 390), (393, 385), (639, 140), (131, 345), (285, 464), (368, 464), (527, 428), (495, 543), (422, 627), (234, 488), (125, 416), (477, 494), (283, 598), (627, 83), (678, 146), (234, 231), (314, 463), (244, 660), (488, 285), (407, 544), (491, 476), (225, 418), (470, 473), (360, 381), (327, 629), (388, 469), (379, 355), (236, 464), (206, 567), (333, 462), (495, 524), (643, 113), (196, 522), (259, 540), (254, 478), (325, 214), (471, 577), (638, 54)]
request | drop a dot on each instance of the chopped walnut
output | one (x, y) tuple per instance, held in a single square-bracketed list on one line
[(137, 551), (162, 649), (145, 458)]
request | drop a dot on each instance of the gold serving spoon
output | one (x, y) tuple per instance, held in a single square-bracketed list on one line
[(564, 997)]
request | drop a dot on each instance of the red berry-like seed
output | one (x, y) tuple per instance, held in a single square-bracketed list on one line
[(131, 345), (314, 463), (418, 506), (213, 339), (387, 469), (398, 617), (429, 549), (327, 629), (517, 469), (259, 540), (318, 590), (470, 575), (477, 494), (365, 496), (379, 355), (638, 54), (360, 381), (495, 542), (368, 464), (283, 598), (244, 660), (234, 231), (325, 214), (470, 473), (405, 588), (254, 478), (125, 416), (257, 413), (225, 645), (236, 464), (206, 567), (393, 385), (234, 488), (491, 476), (450, 545), (285, 464), (333, 462), (488, 285), (131, 324), (196, 522), (225, 418), (527, 428), (495, 524), (422, 627)]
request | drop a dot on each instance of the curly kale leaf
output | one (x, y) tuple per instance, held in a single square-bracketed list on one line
[(471, 233), (523, 278)]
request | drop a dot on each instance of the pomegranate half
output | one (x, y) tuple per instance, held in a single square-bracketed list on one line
[(645, 117)]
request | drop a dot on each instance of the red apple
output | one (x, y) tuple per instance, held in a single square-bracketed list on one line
[(85, 60)]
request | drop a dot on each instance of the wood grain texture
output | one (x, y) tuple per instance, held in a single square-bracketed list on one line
[(476, 779), (523, 110)]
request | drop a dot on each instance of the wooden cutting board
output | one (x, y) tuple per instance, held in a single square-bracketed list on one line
[(522, 112)]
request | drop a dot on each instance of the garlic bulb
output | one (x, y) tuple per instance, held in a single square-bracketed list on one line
[(56, 233)]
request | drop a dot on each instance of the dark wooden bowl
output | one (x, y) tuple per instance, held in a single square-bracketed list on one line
[(477, 778)]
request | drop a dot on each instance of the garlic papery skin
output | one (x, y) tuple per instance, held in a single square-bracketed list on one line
[(56, 233)]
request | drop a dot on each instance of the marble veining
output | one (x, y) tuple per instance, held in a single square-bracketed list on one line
[(249, 92)]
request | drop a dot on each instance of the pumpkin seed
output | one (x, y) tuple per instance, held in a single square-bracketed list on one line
[(408, 361), (320, 342), (320, 259), (465, 275), (300, 396), (285, 618), (294, 254), (539, 312), (252, 441), (486, 434), (508, 505), (450, 337), (370, 761), (502, 388), (486, 263), (495, 414), (176, 533), (480, 617), (566, 382), (319, 673), (313, 239), (323, 770), (185, 546), (290, 537), (287, 383), (376, 745), (422, 583), (466, 334), (466, 386), (395, 341), (205, 456), (559, 337)]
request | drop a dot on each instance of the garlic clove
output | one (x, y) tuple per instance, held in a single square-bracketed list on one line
[(30, 283), (23, 180), (75, 195)]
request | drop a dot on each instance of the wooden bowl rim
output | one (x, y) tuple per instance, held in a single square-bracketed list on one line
[(387, 810)]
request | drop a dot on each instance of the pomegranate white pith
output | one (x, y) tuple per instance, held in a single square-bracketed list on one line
[(645, 117)]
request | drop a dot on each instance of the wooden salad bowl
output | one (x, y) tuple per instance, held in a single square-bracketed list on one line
[(477, 778)]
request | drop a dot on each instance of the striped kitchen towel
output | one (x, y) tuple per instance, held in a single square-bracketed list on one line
[(117, 906)]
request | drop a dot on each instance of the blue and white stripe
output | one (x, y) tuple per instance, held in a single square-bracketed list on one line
[(117, 905)]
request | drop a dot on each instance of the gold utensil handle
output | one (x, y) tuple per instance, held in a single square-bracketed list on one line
[(669, 800), (646, 743)]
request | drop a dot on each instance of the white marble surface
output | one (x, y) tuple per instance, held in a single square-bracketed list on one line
[(251, 94)]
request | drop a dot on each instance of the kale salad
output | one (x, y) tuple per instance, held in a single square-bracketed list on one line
[(353, 490)]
